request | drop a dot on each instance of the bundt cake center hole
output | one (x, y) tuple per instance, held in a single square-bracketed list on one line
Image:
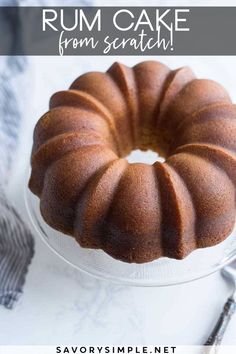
[(139, 156)]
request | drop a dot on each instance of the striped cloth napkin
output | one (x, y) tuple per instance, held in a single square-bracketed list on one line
[(16, 242)]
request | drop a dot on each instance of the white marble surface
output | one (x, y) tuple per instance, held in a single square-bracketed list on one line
[(63, 306)]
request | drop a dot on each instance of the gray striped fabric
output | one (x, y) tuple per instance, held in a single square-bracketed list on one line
[(16, 251), (16, 242)]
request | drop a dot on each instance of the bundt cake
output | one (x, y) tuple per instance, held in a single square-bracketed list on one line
[(137, 212)]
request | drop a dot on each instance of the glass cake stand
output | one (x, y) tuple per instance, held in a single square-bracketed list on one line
[(162, 272)]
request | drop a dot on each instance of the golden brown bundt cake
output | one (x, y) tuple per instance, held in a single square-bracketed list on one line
[(138, 212)]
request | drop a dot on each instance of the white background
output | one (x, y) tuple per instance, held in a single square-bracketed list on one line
[(63, 306)]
